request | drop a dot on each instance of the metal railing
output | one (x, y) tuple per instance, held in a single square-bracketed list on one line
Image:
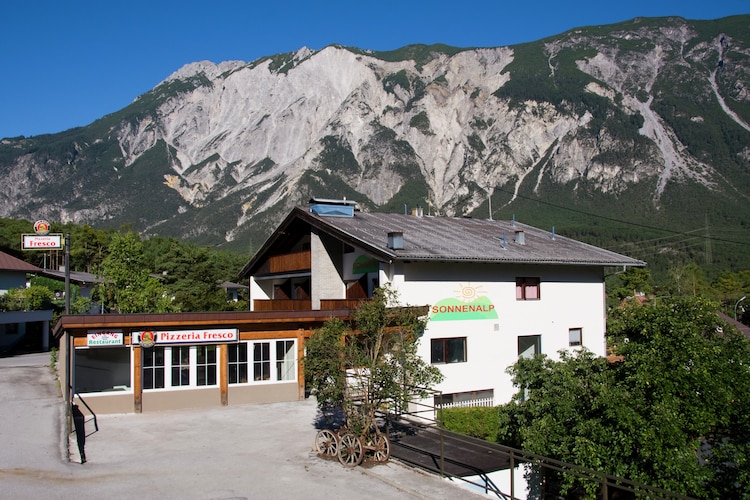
[(419, 414), (93, 415)]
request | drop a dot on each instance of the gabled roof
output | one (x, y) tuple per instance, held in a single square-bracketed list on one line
[(447, 239), (10, 263)]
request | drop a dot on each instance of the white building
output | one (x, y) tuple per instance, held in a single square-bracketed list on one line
[(496, 290)]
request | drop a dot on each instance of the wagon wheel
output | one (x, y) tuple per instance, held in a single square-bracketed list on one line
[(381, 447), (351, 451), (326, 443)]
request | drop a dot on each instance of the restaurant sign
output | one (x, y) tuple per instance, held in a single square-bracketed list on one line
[(149, 338), (42, 242), (99, 339)]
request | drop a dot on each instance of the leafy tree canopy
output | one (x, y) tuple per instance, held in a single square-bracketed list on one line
[(670, 412), (127, 286), (363, 366)]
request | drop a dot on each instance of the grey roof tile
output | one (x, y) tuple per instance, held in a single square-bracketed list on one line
[(466, 239)]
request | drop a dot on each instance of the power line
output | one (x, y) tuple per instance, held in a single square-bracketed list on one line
[(620, 221)]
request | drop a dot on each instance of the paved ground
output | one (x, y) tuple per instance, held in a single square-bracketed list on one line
[(236, 452)]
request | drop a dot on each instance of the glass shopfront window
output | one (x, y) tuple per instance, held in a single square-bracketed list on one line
[(272, 361), (102, 369), (180, 366)]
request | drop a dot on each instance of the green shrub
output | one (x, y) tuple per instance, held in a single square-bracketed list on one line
[(481, 422), (33, 298)]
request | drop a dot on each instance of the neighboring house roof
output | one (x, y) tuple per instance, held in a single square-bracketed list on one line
[(228, 285), (78, 277), (10, 263), (743, 328), (447, 239)]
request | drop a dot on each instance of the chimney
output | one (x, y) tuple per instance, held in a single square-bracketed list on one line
[(520, 237), (396, 240)]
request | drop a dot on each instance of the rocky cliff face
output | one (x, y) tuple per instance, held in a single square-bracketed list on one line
[(218, 152)]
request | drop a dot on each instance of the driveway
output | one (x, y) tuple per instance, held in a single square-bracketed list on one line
[(235, 452)]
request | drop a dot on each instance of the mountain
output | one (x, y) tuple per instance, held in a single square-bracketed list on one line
[(646, 121)]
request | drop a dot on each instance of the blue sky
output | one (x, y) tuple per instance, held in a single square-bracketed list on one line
[(67, 63)]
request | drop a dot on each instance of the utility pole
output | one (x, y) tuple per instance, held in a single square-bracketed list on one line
[(67, 273)]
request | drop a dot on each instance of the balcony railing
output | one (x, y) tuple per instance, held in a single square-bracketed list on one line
[(330, 304), (304, 305), (289, 262), (281, 305)]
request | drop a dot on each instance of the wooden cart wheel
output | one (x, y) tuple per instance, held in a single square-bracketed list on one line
[(382, 448), (351, 451), (326, 443)]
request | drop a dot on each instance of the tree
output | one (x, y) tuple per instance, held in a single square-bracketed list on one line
[(671, 414), (689, 374), (127, 286), (376, 359), (688, 281), (192, 274), (628, 284), (88, 246)]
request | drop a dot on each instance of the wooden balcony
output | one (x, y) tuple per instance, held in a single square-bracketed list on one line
[(290, 262), (330, 304), (281, 305)]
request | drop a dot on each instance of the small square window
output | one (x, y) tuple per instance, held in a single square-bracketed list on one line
[(575, 337), (527, 288)]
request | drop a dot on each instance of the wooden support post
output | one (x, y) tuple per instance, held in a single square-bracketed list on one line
[(300, 364), (137, 381), (224, 373)]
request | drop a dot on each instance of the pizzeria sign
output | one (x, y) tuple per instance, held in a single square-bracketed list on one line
[(149, 338)]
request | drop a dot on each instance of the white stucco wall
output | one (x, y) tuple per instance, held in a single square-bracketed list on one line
[(326, 274), (570, 297)]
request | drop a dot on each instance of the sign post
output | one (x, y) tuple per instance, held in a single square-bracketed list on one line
[(42, 239)]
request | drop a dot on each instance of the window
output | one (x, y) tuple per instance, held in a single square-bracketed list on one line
[(527, 288), (102, 369), (206, 364), (529, 345), (262, 361), (153, 368), (272, 361), (451, 350), (285, 364), (180, 366), (238, 363), (575, 337)]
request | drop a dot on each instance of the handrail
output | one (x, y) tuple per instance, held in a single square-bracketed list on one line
[(96, 423), (516, 456)]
